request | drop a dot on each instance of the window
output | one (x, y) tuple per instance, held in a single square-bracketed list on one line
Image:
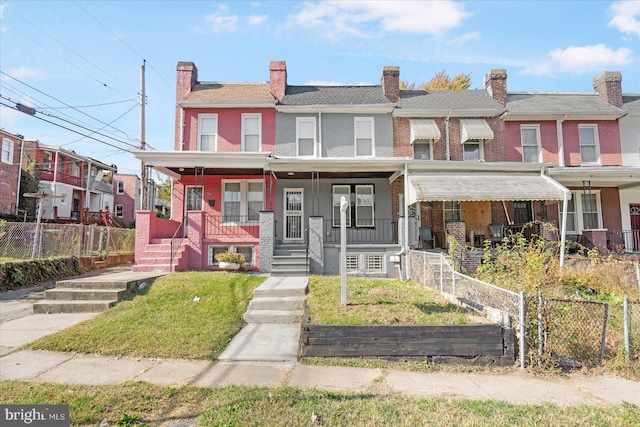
[(119, 210), (194, 199), (522, 212), (583, 212), (306, 136), (46, 160), (452, 211), (251, 132), (530, 135), (120, 187), (7, 151), (422, 150), (247, 251), (366, 263), (61, 162), (242, 200), (338, 192), (472, 150), (364, 136), (589, 143), (75, 169), (207, 132), (364, 206)]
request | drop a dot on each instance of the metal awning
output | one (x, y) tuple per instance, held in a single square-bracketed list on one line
[(424, 130), (475, 187), (475, 129)]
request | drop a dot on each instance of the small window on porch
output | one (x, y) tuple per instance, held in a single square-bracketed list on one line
[(247, 251), (452, 211)]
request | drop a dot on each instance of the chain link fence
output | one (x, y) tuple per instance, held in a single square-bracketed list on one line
[(20, 241), (570, 332)]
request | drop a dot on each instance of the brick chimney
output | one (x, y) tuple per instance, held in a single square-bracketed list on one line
[(391, 82), (495, 82), (278, 79), (187, 77), (609, 86)]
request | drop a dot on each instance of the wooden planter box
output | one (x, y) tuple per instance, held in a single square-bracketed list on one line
[(435, 342)]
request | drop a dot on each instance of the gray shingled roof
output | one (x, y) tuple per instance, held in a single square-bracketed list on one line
[(559, 103), (631, 103), (448, 100), (334, 95)]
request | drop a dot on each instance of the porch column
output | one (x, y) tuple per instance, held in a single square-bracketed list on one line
[(144, 222), (316, 244), (267, 239), (195, 234)]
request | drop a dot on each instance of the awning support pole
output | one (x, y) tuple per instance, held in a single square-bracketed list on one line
[(563, 228)]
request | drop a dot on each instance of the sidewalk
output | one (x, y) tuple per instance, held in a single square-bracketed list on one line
[(96, 370)]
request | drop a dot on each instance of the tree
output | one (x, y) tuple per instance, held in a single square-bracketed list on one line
[(29, 183), (405, 85), (164, 190), (442, 81)]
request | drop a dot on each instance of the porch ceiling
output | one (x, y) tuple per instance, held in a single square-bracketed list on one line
[(332, 175), (483, 187)]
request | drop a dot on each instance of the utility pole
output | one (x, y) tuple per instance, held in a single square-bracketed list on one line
[(143, 166)]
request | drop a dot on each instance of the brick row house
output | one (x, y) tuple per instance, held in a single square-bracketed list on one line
[(10, 167), (260, 168), (126, 196)]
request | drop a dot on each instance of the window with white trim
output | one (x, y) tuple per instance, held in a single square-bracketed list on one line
[(364, 206), (338, 192), (473, 150), (120, 187), (119, 210), (530, 136), (247, 251), (588, 135), (75, 169), (422, 149), (373, 263), (584, 212), (242, 200), (207, 132), (452, 211), (364, 136), (251, 132), (7, 151), (363, 214), (306, 136), (46, 160)]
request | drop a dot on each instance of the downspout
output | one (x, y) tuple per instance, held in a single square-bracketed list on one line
[(446, 133), (182, 128), (319, 132), (560, 140), (19, 177), (565, 205), (87, 197), (405, 249)]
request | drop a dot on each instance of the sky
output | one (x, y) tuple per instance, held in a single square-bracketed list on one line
[(77, 63)]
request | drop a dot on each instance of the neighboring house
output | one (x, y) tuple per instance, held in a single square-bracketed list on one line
[(126, 196), (579, 133), (10, 167), (630, 194), (260, 168), (81, 187)]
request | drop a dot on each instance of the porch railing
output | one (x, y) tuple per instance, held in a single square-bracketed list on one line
[(231, 226), (623, 240), (380, 231)]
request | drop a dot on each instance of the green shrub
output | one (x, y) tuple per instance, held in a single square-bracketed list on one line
[(14, 275)]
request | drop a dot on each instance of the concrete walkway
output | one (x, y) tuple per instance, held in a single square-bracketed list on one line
[(253, 359)]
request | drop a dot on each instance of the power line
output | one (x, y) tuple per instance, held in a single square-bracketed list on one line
[(94, 105)]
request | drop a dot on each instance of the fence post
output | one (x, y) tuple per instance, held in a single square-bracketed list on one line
[(107, 247), (627, 332), (540, 329), (441, 272), (522, 333), (604, 330)]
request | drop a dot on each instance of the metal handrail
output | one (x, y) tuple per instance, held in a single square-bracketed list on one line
[(173, 242)]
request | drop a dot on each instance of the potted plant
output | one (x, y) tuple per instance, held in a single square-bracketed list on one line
[(230, 260)]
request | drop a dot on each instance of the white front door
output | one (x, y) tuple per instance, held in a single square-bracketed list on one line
[(293, 219)]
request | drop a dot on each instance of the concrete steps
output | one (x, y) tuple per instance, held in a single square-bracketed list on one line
[(91, 294), (279, 300), (156, 257), (290, 261)]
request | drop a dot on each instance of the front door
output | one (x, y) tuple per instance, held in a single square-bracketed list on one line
[(193, 202), (634, 213), (293, 204)]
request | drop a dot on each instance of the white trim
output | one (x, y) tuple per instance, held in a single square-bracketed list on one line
[(284, 214), (480, 150), (475, 129), (244, 135), (199, 142), (596, 141), (536, 129), (244, 195), (121, 211), (371, 122), (118, 190), (211, 262), (311, 120), (422, 142), (335, 219), (186, 199), (373, 204), (578, 212), (424, 130), (10, 150)]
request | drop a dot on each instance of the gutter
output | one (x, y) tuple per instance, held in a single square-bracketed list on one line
[(565, 205)]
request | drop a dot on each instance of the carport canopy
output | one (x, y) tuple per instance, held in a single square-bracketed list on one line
[(475, 187)]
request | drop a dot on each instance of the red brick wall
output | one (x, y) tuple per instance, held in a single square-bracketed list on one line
[(128, 199), (9, 174), (548, 139), (609, 138)]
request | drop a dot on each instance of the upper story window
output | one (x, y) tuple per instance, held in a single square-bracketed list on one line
[(251, 132), (7, 151), (306, 136), (75, 169), (589, 152), (61, 162), (423, 133), (473, 150), (120, 187), (364, 136), (207, 132), (46, 160), (530, 135)]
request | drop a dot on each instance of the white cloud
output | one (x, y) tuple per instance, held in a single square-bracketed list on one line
[(323, 83), (257, 19), (222, 23), (626, 16), (460, 40), (2, 6), (352, 17), (580, 60), (24, 72)]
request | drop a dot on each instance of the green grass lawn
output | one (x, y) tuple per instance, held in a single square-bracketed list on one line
[(163, 320), (140, 404), (379, 301)]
